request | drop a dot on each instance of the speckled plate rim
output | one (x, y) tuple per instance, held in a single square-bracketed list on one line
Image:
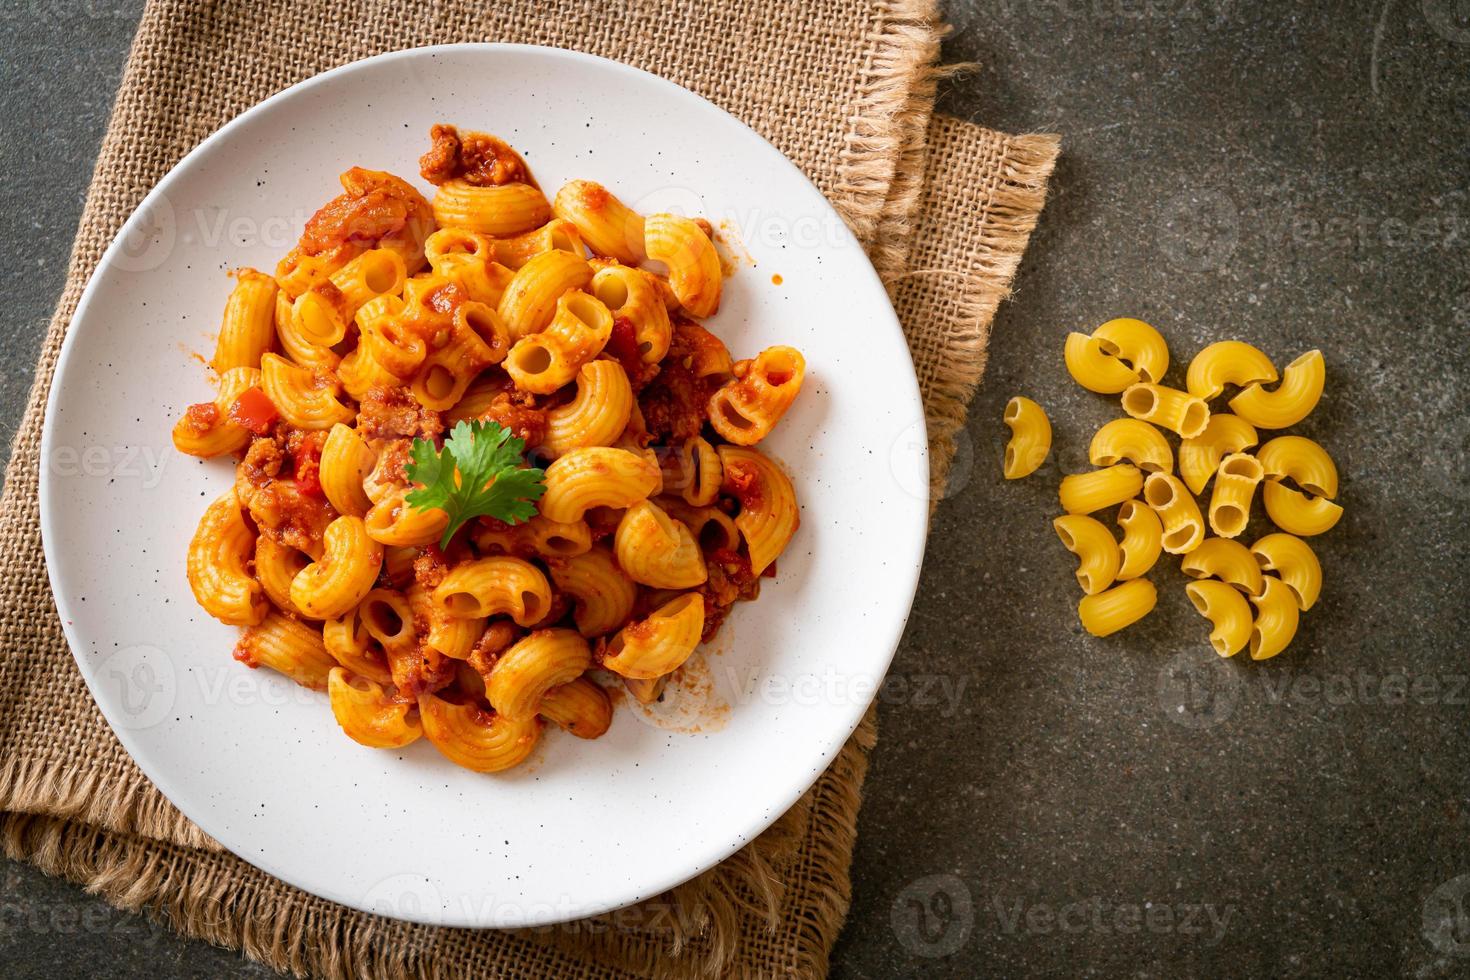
[(910, 469)]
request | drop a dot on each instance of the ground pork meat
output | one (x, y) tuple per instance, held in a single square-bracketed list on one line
[(430, 567), (676, 402), (290, 517), (496, 639), (393, 413), (517, 411), (200, 418), (475, 158), (420, 670), (730, 580), (374, 206), (390, 471)]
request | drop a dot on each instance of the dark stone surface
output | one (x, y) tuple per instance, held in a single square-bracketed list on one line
[(1041, 802)]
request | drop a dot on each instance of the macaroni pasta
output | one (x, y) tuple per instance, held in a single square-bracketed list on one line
[(487, 459)]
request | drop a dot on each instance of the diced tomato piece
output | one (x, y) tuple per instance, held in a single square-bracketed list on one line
[(254, 411), (307, 458), (622, 344)]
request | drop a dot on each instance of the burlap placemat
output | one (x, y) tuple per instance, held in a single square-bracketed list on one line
[(845, 90)]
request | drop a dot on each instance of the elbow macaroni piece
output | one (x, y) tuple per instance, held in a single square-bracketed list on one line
[(218, 553), (289, 647), (249, 325), (346, 462), (530, 301), (496, 586), (222, 434), (768, 514), (598, 476), (1277, 616), (507, 209), (316, 319), (276, 566), (596, 416), (389, 618), (369, 715), (376, 272), (602, 592), (360, 372), (1200, 456), (1095, 548), (451, 636), (1294, 562), (692, 470), (523, 674), (295, 346), (652, 647), (714, 529), (477, 739), (1030, 440), (350, 644), (545, 361), (1293, 400), (1122, 605), (483, 278), (538, 536), (746, 409), (580, 707), (657, 550), (631, 294), (608, 226), (1093, 368), (1133, 441), (476, 340), (1184, 527), (392, 521), (1230, 505), (512, 253), (1136, 343), (1297, 513), (1228, 612), (338, 581), (1175, 410), (1226, 560), (1227, 362), (1083, 493), (305, 398), (1301, 460), (693, 263), (1143, 539), (387, 342)]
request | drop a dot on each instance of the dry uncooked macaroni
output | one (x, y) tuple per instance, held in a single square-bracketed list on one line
[(394, 319), (1252, 596)]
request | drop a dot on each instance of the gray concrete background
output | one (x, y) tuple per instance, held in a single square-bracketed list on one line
[(1041, 802)]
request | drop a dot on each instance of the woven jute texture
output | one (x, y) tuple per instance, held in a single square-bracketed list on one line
[(846, 90)]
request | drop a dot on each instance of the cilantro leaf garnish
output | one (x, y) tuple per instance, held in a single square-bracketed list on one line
[(477, 474)]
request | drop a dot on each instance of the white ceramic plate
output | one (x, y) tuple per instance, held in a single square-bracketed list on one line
[(584, 827)]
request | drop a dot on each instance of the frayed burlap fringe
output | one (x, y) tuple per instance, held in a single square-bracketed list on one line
[(896, 86), (200, 896), (96, 797)]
